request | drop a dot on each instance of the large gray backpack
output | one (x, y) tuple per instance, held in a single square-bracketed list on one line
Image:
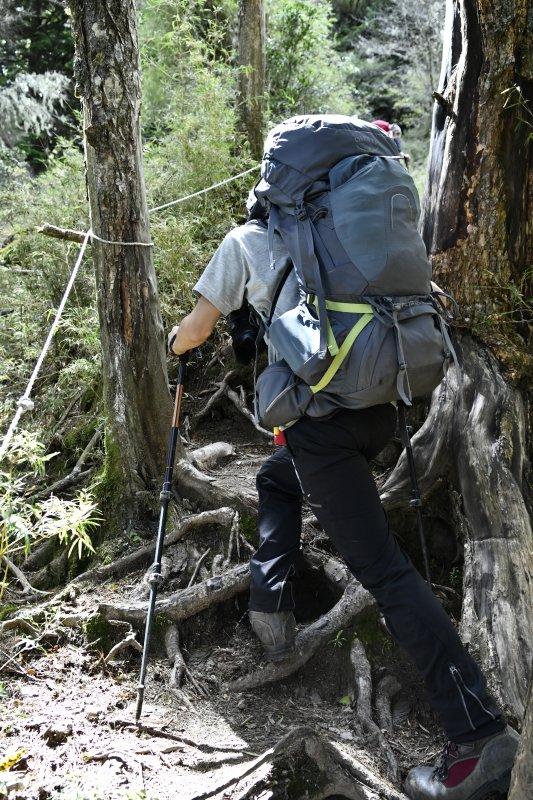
[(368, 328)]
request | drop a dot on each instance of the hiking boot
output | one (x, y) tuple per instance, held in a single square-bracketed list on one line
[(469, 771), (276, 632)]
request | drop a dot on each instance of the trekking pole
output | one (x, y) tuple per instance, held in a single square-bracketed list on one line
[(416, 501), (155, 575)]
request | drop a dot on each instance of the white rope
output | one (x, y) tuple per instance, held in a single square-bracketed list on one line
[(123, 244), (203, 191), (25, 403)]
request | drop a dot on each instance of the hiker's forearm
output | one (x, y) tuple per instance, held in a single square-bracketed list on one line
[(195, 328)]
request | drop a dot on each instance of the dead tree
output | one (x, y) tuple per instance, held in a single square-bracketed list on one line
[(136, 396), (251, 61), (475, 227), (522, 777)]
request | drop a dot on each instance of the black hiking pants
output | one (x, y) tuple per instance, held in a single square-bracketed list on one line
[(328, 461)]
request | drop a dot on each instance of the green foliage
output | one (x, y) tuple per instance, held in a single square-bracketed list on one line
[(23, 523), (339, 640), (307, 74), (322, 56)]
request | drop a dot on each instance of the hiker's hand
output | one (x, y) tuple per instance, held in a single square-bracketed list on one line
[(174, 343), (193, 329)]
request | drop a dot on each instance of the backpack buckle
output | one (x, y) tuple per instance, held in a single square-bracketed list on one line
[(301, 212)]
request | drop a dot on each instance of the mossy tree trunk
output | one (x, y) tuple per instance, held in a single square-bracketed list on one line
[(475, 224), (251, 61), (137, 401)]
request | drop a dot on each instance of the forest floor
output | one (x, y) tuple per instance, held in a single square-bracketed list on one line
[(67, 715)]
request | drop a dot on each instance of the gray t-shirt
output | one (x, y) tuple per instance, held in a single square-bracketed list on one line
[(240, 270)]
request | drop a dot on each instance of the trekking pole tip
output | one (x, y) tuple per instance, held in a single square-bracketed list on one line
[(140, 698)]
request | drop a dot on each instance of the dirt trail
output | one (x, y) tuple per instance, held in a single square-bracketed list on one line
[(69, 715)]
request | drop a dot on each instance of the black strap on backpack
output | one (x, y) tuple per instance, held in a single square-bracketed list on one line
[(263, 328)]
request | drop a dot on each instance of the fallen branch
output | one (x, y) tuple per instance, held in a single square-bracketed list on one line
[(187, 602), (62, 233), (310, 639)]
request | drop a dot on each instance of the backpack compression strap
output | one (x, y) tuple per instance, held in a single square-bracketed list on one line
[(367, 313)]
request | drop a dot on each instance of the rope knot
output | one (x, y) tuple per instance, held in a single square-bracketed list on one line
[(25, 403)]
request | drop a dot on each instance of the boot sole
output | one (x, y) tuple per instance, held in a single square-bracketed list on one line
[(499, 785)]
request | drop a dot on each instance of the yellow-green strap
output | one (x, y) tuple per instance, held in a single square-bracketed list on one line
[(333, 347), (344, 349), (350, 308)]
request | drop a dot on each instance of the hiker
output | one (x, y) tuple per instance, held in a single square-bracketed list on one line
[(333, 436), (395, 132)]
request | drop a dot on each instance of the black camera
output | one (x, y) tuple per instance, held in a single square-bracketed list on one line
[(244, 329)]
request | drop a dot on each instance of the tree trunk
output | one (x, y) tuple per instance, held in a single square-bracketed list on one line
[(479, 192), (137, 401), (251, 61), (522, 777), (475, 228)]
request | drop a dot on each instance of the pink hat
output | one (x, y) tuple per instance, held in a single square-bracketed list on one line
[(381, 123)]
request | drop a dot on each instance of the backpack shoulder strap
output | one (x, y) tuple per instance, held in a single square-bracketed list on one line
[(279, 288)]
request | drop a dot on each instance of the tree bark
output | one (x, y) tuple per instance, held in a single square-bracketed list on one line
[(251, 61), (522, 777), (475, 228), (479, 190), (136, 396)]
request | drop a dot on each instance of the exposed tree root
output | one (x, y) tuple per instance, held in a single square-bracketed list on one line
[(179, 670), (197, 566), (387, 688), (53, 573), (340, 773), (27, 588), (196, 485), (474, 438), (129, 641), (310, 639), (139, 558), (187, 602), (363, 680), (213, 400), (208, 457), (335, 571), (239, 401)]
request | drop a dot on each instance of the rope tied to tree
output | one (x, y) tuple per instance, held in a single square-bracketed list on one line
[(25, 403)]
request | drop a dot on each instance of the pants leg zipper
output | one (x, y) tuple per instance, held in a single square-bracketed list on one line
[(282, 588), (459, 682)]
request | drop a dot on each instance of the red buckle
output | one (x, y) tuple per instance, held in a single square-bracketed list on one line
[(280, 440)]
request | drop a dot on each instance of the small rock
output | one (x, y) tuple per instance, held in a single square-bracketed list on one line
[(57, 733), (93, 714)]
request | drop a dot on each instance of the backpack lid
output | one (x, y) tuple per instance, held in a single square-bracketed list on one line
[(302, 150)]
